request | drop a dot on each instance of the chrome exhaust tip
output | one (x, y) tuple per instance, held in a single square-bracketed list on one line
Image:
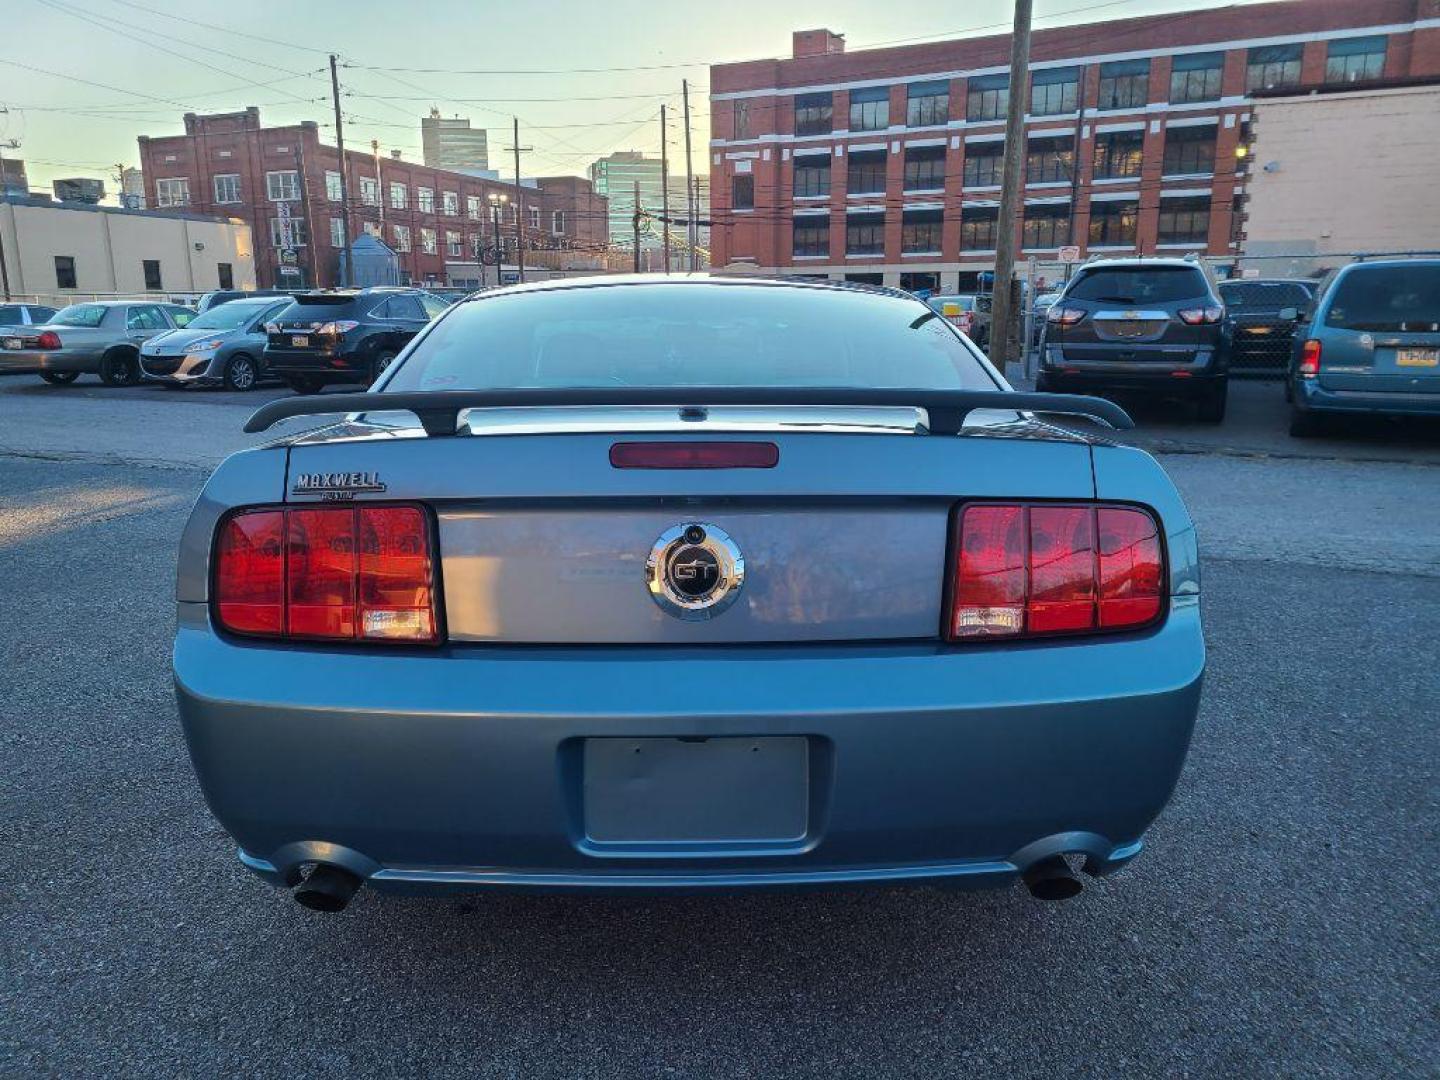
[(1052, 879)]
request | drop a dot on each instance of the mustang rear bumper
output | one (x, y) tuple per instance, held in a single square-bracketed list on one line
[(464, 767)]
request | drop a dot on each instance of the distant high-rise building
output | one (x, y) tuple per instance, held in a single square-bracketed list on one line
[(451, 143), (132, 189), (79, 189), (615, 177), (13, 179)]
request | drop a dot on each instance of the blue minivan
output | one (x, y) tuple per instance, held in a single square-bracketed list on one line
[(1370, 344)]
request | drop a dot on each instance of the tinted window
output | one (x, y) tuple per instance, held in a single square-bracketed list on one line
[(690, 335), (10, 313), (41, 314), (403, 307), (1263, 295), (1391, 297), (1148, 285), (145, 318), (433, 305), (321, 312), (80, 315)]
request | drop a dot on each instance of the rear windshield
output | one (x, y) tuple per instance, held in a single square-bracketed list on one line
[(229, 316), (1263, 295), (691, 335), (1387, 297), (80, 315), (1140, 285), (310, 311)]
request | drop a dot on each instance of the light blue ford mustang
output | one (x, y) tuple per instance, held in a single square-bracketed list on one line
[(681, 584)]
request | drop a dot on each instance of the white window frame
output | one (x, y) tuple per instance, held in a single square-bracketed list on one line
[(298, 234), (402, 237), (332, 186), (450, 203), (472, 207), (172, 191), (425, 200), (277, 189), (428, 241), (233, 188), (454, 244), (557, 222), (399, 196), (532, 215), (372, 228), (337, 232), (369, 191)]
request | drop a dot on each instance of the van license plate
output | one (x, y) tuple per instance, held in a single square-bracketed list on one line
[(299, 341), (1417, 357)]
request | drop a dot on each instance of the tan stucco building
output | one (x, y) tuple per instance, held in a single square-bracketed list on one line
[(61, 252), (1342, 172)]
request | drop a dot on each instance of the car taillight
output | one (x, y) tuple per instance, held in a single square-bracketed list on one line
[(336, 328), (1022, 570), (350, 573), (1310, 359), (1201, 316), (48, 340), (1064, 316)]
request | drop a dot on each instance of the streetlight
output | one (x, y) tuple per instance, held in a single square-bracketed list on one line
[(497, 200)]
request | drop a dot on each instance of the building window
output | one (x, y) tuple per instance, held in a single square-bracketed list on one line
[(1272, 67), (742, 118), (1046, 225), (65, 272), (477, 244), (227, 188), (372, 228), (1054, 90), (977, 227), (987, 97), (454, 245), (811, 235), (402, 237), (1119, 153), (399, 196), (425, 200), (928, 104), (337, 232), (450, 203), (983, 164), (742, 191), (814, 114), (282, 186), (1124, 84), (1112, 223), (332, 187), (870, 109), (924, 168), (812, 175), (472, 207), (865, 234), (1355, 59), (174, 192), (532, 216), (427, 241), (920, 231), (151, 269), (1051, 160), (298, 233), (370, 191), (1185, 221), (1189, 150), (865, 173), (226, 274), (557, 223), (1196, 77)]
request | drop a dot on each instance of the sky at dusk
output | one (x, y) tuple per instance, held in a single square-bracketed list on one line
[(82, 78)]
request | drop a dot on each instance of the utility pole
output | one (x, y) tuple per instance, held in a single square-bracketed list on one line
[(1000, 311), (689, 177), (664, 190), (635, 224), (348, 269), (1076, 160), (519, 202)]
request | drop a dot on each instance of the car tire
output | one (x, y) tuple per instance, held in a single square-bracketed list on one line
[(1212, 406), (1305, 424), (241, 373), (120, 367), (378, 363), (59, 378), (305, 384)]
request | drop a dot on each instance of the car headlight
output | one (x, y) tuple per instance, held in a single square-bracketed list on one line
[(205, 346)]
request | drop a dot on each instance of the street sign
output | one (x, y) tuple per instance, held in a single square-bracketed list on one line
[(289, 271), (1070, 253), (287, 256)]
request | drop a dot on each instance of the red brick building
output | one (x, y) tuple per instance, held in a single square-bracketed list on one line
[(433, 218), (884, 165)]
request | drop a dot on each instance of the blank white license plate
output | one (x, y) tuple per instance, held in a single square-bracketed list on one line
[(1417, 357), (13, 343), (299, 341)]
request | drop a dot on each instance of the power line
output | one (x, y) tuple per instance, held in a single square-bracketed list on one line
[(270, 39)]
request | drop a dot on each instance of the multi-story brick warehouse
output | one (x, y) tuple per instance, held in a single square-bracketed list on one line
[(433, 218), (884, 165)]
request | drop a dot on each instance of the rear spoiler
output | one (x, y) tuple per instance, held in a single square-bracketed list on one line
[(439, 410)]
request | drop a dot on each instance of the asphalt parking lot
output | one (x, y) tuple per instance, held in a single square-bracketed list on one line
[(1281, 921)]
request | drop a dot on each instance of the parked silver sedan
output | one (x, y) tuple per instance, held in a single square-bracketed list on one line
[(95, 338)]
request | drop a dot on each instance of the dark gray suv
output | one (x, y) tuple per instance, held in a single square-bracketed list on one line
[(1146, 325)]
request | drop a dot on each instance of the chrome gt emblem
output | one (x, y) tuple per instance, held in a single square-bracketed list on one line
[(694, 571)]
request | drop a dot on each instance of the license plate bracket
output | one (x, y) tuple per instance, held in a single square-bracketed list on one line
[(674, 792), (1413, 357)]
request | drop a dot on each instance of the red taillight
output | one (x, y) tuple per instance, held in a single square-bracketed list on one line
[(330, 573), (1201, 316), (694, 455), (1024, 570), (48, 340), (1310, 359), (1064, 316)]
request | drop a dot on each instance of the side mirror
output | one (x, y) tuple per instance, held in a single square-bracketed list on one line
[(1289, 313)]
